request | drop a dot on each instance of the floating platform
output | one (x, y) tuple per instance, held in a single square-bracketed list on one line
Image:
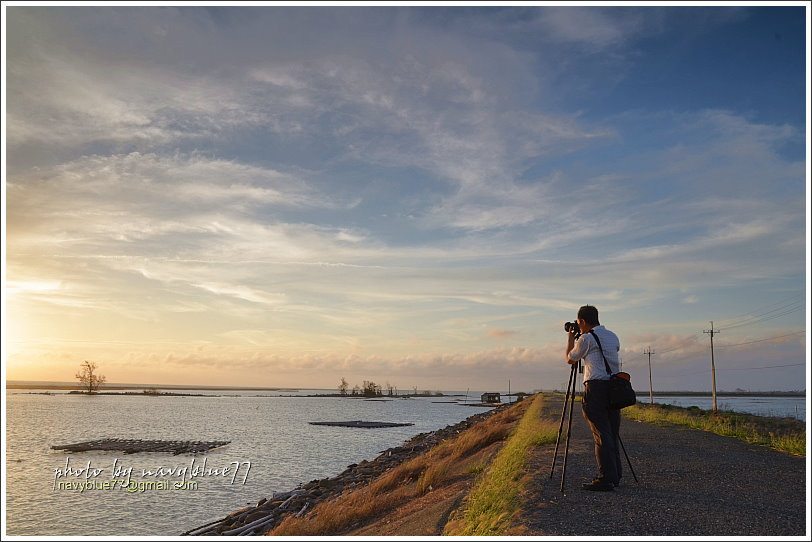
[(132, 446), (358, 423)]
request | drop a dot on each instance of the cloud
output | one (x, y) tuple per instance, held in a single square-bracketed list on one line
[(595, 28), (182, 220), (500, 334), (358, 186), (144, 195), (252, 361), (438, 112)]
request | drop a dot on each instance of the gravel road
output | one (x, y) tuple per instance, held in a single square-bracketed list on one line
[(691, 483)]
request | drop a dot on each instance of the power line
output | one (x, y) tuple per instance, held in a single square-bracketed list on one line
[(760, 340), (723, 370), (672, 349), (789, 311), (766, 367), (768, 315), (752, 314), (695, 355), (721, 345), (771, 312)]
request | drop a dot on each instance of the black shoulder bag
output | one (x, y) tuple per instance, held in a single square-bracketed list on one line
[(621, 393)]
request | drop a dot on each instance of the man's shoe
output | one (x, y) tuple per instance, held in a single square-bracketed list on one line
[(598, 480), (599, 485)]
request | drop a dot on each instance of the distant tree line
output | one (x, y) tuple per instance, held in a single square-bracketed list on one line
[(371, 389), (368, 389)]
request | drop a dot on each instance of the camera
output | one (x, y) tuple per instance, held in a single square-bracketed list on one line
[(571, 327)]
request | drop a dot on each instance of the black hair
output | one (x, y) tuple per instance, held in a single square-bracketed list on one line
[(589, 314)]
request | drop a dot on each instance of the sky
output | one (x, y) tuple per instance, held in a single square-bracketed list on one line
[(418, 195)]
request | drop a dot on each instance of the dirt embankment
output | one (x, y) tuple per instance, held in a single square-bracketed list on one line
[(415, 497), (403, 466)]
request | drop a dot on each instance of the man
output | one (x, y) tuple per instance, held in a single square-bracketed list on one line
[(603, 421)]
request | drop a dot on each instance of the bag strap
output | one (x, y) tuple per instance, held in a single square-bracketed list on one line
[(600, 347)]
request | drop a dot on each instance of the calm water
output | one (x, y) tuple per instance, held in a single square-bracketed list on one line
[(271, 433), (787, 407), (267, 431)]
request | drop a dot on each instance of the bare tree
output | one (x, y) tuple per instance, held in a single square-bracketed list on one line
[(371, 389), (89, 377), (343, 386)]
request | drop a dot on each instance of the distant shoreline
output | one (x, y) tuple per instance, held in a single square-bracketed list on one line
[(725, 393), (121, 387), (641, 393), (141, 387)]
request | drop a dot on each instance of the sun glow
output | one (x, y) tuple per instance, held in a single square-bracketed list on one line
[(17, 288)]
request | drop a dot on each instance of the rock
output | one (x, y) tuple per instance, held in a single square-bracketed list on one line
[(328, 483), (238, 512), (226, 527), (253, 516)]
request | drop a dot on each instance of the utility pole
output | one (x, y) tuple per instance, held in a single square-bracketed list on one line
[(650, 387), (712, 331)]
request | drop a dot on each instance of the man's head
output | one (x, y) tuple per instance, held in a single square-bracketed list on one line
[(587, 318)]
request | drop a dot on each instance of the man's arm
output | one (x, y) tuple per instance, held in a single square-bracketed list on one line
[(570, 346)]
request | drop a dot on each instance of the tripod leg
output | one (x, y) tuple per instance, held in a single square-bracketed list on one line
[(627, 459), (569, 425), (563, 415)]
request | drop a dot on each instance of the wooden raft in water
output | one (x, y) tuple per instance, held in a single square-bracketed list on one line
[(132, 446), (358, 423)]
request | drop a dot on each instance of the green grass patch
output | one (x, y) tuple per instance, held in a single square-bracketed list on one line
[(495, 497), (783, 434)]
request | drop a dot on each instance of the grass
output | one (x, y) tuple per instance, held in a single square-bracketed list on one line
[(783, 434), (440, 466), (496, 496)]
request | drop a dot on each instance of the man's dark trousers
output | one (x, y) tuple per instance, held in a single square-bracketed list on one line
[(605, 426)]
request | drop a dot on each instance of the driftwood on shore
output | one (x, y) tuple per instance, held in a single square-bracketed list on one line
[(132, 446), (359, 423)]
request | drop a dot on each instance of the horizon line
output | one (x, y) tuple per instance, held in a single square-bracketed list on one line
[(44, 384)]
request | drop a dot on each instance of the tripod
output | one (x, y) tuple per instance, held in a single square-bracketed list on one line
[(569, 400)]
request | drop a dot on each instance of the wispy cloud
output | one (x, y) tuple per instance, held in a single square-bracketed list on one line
[(596, 28), (500, 333), (381, 187)]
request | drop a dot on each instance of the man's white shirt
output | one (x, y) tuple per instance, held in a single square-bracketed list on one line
[(586, 348)]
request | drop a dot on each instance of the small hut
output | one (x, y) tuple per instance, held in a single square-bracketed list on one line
[(491, 397)]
